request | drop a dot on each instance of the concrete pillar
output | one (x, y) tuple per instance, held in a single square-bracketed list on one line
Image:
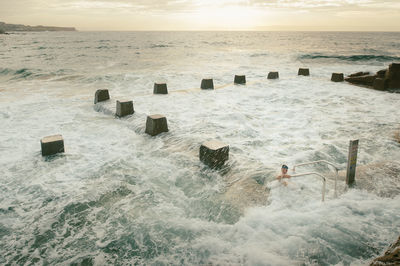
[(207, 84), (304, 72), (124, 108), (101, 95), (337, 77), (381, 84), (156, 124), (160, 88), (352, 162), (214, 153), (51, 145), (273, 75), (240, 79)]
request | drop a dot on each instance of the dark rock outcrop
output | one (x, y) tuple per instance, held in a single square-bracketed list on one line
[(385, 79), (391, 256)]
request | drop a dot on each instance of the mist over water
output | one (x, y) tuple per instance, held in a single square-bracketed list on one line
[(119, 196)]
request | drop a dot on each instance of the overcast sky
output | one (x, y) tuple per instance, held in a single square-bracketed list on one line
[(373, 15)]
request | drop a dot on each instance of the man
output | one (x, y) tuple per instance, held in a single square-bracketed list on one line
[(283, 174)]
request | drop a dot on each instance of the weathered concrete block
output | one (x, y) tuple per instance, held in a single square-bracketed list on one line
[(337, 77), (240, 79), (273, 75), (381, 73), (160, 88), (101, 95), (156, 124), (124, 108), (304, 72), (214, 153), (52, 145), (381, 84), (207, 84)]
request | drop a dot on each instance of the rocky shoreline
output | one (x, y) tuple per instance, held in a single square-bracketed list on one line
[(384, 80), (391, 256)]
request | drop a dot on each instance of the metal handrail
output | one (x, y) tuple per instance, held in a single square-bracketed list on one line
[(323, 181), (322, 161)]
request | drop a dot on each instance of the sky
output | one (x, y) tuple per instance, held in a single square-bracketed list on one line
[(131, 15)]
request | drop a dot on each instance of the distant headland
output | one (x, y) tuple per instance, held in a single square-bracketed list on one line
[(4, 27)]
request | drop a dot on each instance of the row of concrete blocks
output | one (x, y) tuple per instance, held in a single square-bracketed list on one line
[(212, 153)]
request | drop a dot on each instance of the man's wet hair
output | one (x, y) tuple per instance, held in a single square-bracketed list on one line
[(285, 166)]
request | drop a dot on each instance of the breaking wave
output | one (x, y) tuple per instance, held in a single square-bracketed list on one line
[(352, 58)]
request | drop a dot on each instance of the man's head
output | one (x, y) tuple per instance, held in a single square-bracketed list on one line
[(284, 169)]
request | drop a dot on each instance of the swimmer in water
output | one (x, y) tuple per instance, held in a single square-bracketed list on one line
[(283, 174)]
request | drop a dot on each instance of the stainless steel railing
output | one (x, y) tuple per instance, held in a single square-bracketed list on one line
[(318, 174), (322, 161)]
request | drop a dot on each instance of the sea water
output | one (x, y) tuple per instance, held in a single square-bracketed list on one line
[(119, 196)]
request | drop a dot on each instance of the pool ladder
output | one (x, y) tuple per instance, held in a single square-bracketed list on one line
[(318, 174)]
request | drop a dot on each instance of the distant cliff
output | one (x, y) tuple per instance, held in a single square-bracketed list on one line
[(4, 27)]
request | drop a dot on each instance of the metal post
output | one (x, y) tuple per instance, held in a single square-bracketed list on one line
[(352, 162)]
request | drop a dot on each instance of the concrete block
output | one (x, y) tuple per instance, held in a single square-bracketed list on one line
[(101, 95), (304, 72), (207, 84), (273, 75), (381, 84), (160, 88), (124, 108), (156, 124), (214, 153), (240, 79), (52, 145), (337, 77)]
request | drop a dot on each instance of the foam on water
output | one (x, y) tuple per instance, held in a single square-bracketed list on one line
[(120, 196)]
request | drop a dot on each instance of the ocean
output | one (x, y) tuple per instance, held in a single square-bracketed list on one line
[(119, 196)]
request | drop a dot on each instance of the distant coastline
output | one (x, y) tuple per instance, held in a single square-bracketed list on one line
[(4, 27)]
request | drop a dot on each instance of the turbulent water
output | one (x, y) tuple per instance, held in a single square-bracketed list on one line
[(119, 196)]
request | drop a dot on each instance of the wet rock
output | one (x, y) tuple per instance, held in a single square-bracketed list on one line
[(240, 79), (160, 88), (273, 75), (214, 153), (207, 84), (391, 256), (303, 72), (393, 76), (381, 73), (380, 84), (156, 124), (124, 108), (337, 77), (366, 80), (101, 95), (358, 74), (52, 145)]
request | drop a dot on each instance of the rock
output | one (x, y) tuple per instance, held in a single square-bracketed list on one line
[(160, 88), (240, 79), (391, 256), (380, 84), (214, 153), (124, 108), (273, 75), (156, 124), (358, 74), (304, 72), (52, 144), (367, 80), (101, 95), (381, 73), (393, 75), (207, 84), (337, 77)]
